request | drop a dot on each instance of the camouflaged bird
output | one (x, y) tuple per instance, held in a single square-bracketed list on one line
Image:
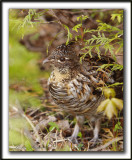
[(73, 85)]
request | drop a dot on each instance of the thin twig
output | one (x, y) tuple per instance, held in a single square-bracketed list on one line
[(33, 144), (53, 13), (89, 11), (17, 148), (92, 20), (106, 144), (99, 10), (31, 124), (34, 111)]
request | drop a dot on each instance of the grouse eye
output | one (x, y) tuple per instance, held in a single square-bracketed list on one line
[(62, 59)]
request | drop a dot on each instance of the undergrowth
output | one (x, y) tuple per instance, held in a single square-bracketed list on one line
[(24, 73)]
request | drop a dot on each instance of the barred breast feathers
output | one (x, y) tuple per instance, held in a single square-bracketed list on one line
[(74, 96)]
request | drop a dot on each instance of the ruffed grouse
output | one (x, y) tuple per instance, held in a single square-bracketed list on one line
[(73, 85)]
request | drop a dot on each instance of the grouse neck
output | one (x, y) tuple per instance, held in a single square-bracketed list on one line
[(61, 75)]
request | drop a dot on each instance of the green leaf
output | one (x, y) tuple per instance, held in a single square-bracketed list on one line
[(53, 125), (51, 128), (80, 146), (118, 16), (69, 35), (79, 135), (88, 30), (120, 48), (113, 17), (119, 19), (113, 67), (76, 27), (28, 146), (117, 126), (77, 37), (115, 84), (98, 51), (85, 17), (82, 17)]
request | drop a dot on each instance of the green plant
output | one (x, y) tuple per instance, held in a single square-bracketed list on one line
[(100, 40), (69, 35), (79, 135), (53, 126), (116, 130), (28, 146), (27, 25), (111, 104), (117, 126), (80, 145)]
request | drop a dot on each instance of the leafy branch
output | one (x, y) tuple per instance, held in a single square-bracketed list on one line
[(113, 67), (28, 24), (69, 35)]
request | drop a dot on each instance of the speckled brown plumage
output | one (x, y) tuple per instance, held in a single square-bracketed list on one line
[(73, 86)]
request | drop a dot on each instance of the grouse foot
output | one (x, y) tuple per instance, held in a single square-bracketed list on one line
[(73, 140), (95, 141)]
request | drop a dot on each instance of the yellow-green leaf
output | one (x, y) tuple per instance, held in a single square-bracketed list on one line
[(118, 103), (103, 105), (109, 92), (110, 110), (119, 18), (113, 17)]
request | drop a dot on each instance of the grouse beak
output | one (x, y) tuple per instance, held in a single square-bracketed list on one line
[(49, 59), (46, 61)]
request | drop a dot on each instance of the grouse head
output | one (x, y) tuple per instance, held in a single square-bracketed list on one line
[(64, 58)]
